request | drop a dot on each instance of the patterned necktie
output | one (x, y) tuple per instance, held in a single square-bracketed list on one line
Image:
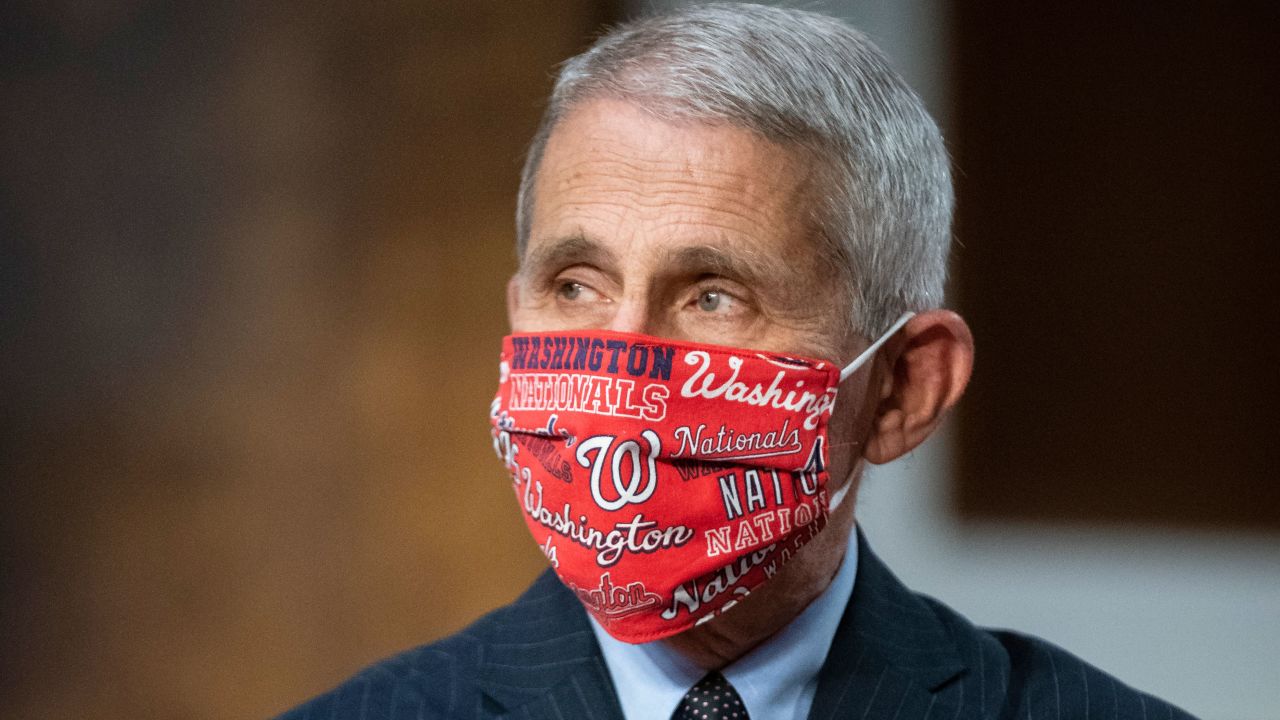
[(713, 698)]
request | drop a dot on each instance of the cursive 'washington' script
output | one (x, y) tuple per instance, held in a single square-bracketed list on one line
[(703, 383)]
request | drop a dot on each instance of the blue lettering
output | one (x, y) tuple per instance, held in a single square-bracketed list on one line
[(580, 354), (520, 350), (596, 356), (662, 362), (637, 360), (557, 360), (545, 361), (616, 346), (535, 344)]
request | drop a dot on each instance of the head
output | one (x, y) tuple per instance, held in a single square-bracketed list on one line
[(881, 201), (754, 177)]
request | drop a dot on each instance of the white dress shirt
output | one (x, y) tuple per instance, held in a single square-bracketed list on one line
[(777, 679)]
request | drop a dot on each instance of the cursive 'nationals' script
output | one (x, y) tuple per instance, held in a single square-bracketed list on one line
[(704, 383)]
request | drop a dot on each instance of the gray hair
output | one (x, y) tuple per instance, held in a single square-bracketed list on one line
[(809, 82)]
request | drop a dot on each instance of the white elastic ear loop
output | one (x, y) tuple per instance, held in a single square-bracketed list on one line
[(838, 496), (852, 367)]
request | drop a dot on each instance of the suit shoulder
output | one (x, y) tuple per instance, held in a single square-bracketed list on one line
[(436, 680), (1048, 677), (1024, 676)]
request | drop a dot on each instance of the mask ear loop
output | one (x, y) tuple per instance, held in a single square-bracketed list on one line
[(852, 367), (838, 497)]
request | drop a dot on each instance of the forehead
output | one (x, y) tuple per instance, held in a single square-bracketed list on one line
[(613, 174)]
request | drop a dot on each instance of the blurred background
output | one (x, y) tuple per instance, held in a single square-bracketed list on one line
[(252, 260)]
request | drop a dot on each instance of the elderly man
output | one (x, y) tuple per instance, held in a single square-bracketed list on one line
[(731, 217)]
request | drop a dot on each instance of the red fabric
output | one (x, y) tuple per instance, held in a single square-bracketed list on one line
[(663, 480)]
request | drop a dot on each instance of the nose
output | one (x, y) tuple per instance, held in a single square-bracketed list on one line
[(635, 314)]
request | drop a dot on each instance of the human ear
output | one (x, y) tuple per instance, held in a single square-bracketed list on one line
[(928, 375)]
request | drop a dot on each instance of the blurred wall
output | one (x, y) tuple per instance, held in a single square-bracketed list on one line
[(251, 288)]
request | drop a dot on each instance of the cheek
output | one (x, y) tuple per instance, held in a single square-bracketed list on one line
[(850, 425)]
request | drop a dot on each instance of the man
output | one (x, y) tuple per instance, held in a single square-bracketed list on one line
[(729, 214)]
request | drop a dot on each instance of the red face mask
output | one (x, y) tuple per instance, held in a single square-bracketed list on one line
[(664, 480)]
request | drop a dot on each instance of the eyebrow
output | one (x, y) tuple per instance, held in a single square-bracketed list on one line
[(752, 269), (562, 252)]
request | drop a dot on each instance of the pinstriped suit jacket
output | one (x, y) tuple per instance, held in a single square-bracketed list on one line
[(896, 656)]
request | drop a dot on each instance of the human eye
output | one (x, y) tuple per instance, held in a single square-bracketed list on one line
[(575, 291), (713, 301), (570, 290), (718, 312), (717, 301)]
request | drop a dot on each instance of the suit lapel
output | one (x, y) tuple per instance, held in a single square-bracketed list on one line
[(543, 663), (891, 655), (585, 692), (891, 658)]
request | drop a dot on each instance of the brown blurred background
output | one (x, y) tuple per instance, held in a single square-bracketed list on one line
[(251, 291), (254, 259)]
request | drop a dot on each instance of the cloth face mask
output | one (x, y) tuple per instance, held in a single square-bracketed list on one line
[(665, 480)]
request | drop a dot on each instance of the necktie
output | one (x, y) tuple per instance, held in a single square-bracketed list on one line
[(713, 698)]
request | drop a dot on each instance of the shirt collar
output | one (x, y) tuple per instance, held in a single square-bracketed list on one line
[(777, 679)]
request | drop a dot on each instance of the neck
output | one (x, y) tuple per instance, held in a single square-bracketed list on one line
[(768, 609)]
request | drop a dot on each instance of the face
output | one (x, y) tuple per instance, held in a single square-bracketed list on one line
[(684, 231)]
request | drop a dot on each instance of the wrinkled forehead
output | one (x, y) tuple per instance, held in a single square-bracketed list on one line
[(612, 174)]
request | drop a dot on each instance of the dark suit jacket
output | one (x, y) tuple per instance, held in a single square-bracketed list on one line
[(896, 656)]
